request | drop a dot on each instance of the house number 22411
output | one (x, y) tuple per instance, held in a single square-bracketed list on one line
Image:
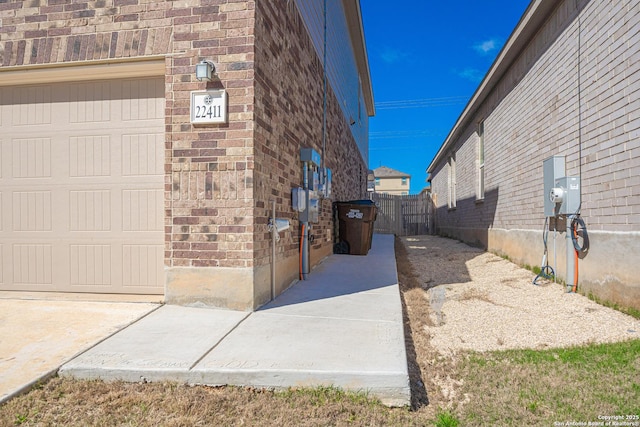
[(208, 107), (208, 111)]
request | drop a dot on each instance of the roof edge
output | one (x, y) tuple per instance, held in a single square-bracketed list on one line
[(356, 31), (531, 21), (390, 172)]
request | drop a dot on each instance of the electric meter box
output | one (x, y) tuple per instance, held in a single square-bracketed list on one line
[(552, 169), (325, 183), (311, 210), (571, 194), (298, 199), (311, 214), (306, 203), (310, 155)]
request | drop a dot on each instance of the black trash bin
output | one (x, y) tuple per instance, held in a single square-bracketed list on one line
[(355, 220)]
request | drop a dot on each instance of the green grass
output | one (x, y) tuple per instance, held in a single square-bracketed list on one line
[(527, 387), (504, 257), (20, 419), (634, 312), (446, 419)]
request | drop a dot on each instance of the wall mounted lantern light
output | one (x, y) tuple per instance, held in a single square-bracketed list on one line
[(205, 70)]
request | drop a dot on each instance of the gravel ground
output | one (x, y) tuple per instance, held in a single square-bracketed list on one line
[(482, 302)]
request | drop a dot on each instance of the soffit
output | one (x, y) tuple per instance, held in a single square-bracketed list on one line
[(356, 31)]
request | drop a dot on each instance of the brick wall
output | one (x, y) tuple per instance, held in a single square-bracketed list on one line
[(546, 104), (210, 208), (55, 31), (220, 179), (288, 112)]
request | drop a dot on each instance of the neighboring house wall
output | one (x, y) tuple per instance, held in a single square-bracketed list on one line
[(391, 181), (393, 185), (567, 83), (220, 180)]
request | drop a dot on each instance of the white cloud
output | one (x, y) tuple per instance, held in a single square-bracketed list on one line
[(486, 47), (472, 74), (392, 56)]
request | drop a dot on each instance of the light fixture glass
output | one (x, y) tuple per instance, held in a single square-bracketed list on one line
[(205, 70)]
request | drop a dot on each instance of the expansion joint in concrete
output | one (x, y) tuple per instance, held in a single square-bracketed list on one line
[(219, 341)]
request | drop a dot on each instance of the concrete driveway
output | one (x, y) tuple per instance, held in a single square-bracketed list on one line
[(39, 333)]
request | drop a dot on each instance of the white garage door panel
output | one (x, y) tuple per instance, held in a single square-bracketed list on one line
[(81, 187)]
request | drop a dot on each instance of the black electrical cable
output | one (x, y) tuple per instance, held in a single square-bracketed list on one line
[(579, 230)]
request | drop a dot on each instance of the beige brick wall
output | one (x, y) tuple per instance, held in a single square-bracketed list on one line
[(534, 113)]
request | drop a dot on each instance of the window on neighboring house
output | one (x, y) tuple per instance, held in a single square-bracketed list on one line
[(452, 182), (404, 181), (404, 193), (377, 181), (480, 194)]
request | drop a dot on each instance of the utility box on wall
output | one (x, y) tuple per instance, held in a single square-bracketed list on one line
[(311, 156), (309, 208), (552, 170), (312, 212), (569, 188)]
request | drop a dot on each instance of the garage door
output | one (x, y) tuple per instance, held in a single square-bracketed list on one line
[(81, 187)]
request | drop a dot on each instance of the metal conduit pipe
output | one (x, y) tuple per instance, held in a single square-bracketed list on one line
[(274, 237), (305, 227), (305, 252)]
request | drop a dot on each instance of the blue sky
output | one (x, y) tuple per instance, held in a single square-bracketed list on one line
[(426, 59)]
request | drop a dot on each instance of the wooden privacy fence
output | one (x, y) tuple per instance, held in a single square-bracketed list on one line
[(403, 215)]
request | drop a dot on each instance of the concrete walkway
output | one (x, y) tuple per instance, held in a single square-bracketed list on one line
[(341, 327)]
